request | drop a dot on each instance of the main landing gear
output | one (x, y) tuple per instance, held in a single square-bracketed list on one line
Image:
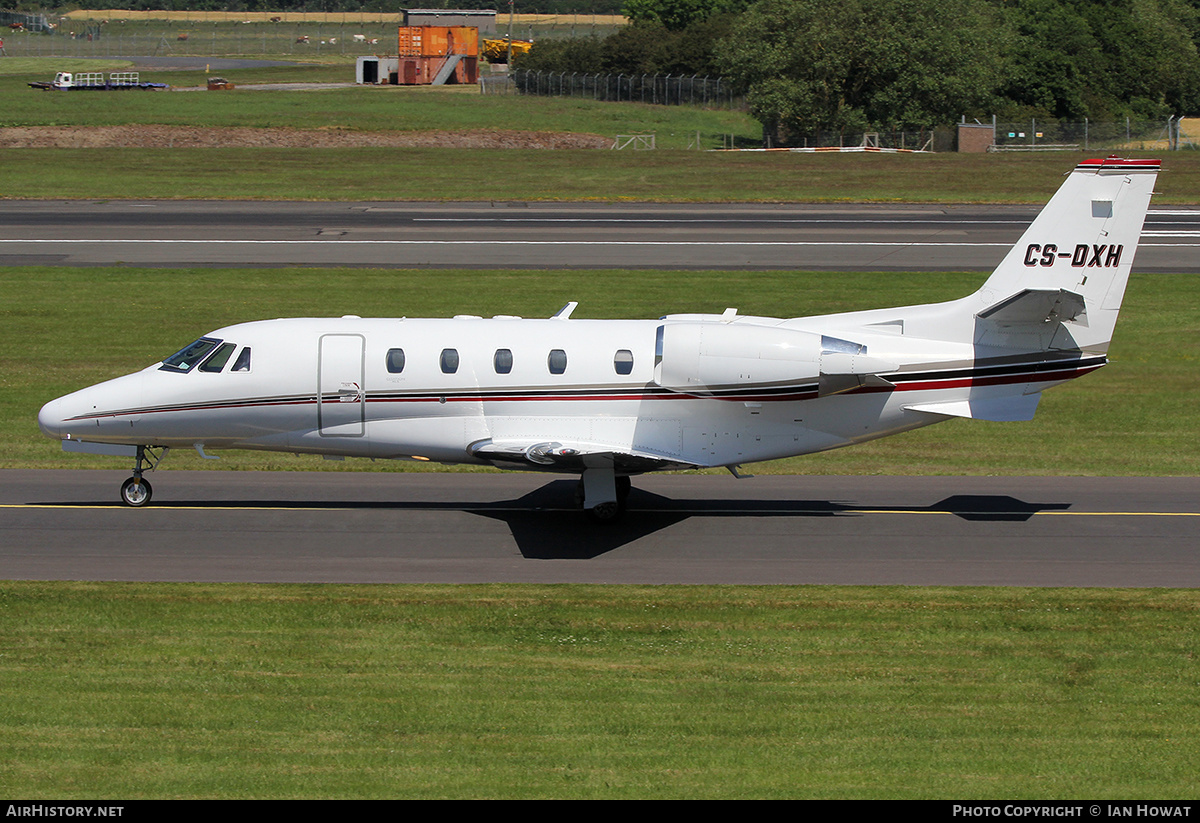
[(136, 491), (602, 494)]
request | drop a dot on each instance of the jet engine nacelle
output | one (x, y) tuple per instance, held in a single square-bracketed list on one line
[(708, 357)]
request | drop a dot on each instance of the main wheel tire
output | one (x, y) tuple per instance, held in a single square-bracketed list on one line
[(608, 512), (624, 486), (136, 492)]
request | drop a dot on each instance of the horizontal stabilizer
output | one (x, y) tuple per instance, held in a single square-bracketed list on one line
[(1002, 409), (1037, 306)]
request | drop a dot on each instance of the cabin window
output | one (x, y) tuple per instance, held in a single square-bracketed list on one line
[(243, 360), (623, 361), (186, 358), (557, 361), (449, 361), (503, 361), (395, 361), (219, 358)]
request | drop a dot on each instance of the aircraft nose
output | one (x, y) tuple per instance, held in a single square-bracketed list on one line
[(50, 419)]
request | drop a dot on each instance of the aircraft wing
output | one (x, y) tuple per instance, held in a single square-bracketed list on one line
[(562, 456)]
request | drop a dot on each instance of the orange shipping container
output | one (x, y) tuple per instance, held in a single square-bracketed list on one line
[(438, 41), (437, 54)]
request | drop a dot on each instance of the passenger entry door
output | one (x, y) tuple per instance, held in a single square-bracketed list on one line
[(341, 396)]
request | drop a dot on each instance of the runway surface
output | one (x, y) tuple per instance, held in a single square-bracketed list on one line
[(544, 235), (703, 529)]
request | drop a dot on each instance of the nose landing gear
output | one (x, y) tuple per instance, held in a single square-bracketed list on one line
[(136, 491)]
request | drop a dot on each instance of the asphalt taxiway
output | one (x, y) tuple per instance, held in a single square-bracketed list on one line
[(545, 235), (522, 527)]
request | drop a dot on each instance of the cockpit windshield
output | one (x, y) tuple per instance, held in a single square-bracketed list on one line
[(186, 358)]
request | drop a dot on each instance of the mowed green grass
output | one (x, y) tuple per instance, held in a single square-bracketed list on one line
[(670, 173), (363, 109), (16, 72), (218, 691), (417, 174), (67, 328)]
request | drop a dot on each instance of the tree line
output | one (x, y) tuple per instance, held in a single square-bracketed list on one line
[(861, 65)]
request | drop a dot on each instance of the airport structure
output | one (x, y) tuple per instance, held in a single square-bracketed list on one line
[(425, 56), (482, 19)]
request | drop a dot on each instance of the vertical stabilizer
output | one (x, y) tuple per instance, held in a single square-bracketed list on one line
[(1072, 264)]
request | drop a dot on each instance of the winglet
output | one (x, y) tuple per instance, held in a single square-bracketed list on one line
[(565, 312)]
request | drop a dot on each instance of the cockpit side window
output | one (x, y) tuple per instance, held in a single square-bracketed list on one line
[(243, 360), (186, 358), (219, 358)]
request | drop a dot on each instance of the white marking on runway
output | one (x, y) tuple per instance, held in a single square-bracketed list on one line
[(342, 242), (338, 241), (707, 220)]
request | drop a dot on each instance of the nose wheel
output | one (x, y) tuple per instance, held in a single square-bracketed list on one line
[(136, 491)]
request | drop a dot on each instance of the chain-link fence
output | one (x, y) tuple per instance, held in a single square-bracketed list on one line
[(1049, 135), (1030, 135), (916, 140), (661, 89)]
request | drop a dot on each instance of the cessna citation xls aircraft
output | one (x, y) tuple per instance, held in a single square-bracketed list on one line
[(608, 399)]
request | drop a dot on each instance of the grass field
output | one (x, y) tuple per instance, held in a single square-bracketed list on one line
[(364, 109), (66, 328), (394, 174), (671, 173), (136, 690)]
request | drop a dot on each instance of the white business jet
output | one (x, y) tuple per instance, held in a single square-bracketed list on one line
[(608, 399)]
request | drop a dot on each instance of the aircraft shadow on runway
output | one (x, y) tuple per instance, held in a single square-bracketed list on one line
[(546, 523), (543, 530)]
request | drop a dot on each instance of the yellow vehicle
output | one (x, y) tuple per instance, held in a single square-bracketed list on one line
[(496, 51)]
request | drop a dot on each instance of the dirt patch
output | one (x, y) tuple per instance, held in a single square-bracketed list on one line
[(161, 137)]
